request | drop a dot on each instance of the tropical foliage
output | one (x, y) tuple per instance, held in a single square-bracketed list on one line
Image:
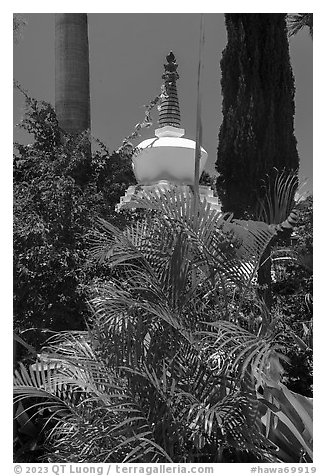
[(173, 367), (292, 288), (285, 274), (297, 21), (58, 192), (181, 358)]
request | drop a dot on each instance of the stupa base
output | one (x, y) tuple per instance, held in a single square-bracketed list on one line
[(205, 193)]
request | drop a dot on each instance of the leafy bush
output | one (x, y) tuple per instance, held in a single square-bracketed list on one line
[(293, 289), (166, 372), (59, 189)]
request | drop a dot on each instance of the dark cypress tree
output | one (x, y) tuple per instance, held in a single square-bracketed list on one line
[(257, 132)]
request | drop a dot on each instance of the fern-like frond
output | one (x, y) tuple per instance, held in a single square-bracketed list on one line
[(297, 21), (242, 348)]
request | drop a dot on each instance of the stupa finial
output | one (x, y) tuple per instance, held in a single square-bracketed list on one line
[(169, 114)]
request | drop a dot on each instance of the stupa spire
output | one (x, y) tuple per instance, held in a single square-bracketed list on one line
[(169, 114)]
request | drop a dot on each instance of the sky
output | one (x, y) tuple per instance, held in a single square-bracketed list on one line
[(127, 53)]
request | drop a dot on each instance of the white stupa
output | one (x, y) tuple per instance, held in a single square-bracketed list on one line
[(169, 157)]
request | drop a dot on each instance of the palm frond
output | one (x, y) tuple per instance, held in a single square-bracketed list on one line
[(297, 21), (241, 348), (279, 197), (175, 247), (177, 204), (98, 409), (108, 243)]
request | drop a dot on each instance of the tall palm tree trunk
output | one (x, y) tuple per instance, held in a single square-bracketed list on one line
[(72, 92)]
